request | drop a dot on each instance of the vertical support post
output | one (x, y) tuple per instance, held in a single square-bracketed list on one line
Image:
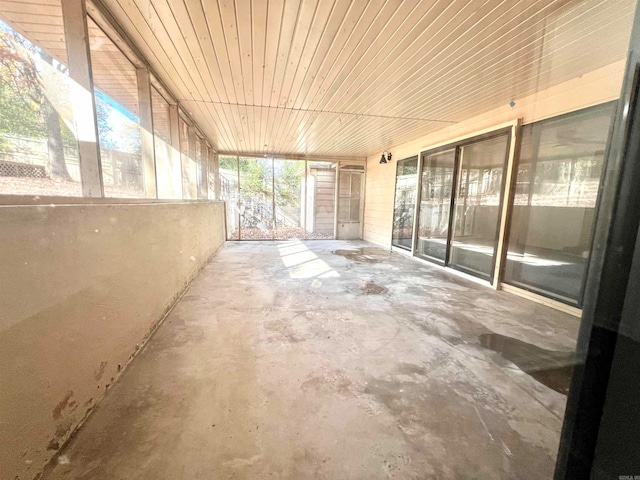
[(215, 162), (204, 168), (274, 216), (239, 199), (416, 206), (174, 153), (305, 197), (191, 132), (146, 133), (336, 201), (74, 13), (507, 204)]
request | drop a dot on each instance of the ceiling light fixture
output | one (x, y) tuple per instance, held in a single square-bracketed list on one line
[(387, 158)]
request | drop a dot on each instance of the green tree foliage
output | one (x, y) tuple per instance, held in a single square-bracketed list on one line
[(24, 108), (255, 178), (19, 92), (289, 176)]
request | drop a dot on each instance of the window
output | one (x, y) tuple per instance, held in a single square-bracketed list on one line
[(38, 145), (229, 193), (405, 199), (168, 170), (554, 203), (189, 167), (116, 92)]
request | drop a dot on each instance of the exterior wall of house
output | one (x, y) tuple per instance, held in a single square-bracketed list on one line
[(599, 86), (324, 201)]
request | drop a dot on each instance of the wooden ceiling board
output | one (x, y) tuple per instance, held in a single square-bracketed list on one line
[(346, 77)]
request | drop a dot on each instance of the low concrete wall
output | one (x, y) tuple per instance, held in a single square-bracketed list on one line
[(82, 286)]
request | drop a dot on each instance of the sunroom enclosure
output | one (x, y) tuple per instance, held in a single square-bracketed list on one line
[(144, 142), (283, 199)]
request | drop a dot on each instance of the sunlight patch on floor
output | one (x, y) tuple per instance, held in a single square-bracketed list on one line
[(302, 262)]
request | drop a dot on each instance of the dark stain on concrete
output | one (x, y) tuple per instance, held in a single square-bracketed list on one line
[(364, 254), (549, 367), (57, 411), (371, 288), (99, 372), (329, 382), (285, 329), (53, 445)]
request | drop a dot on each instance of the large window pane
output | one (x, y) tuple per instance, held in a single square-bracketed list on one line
[(116, 91), (212, 189), (320, 194), (38, 146), (229, 193), (435, 203), (556, 194), (477, 208), (256, 199), (189, 167), (289, 176), (405, 200), (168, 172)]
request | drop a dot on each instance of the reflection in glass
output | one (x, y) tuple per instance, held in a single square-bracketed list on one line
[(405, 199), (168, 172), (477, 206), (320, 194), (189, 167), (556, 193), (38, 146), (289, 200), (116, 92), (256, 199), (213, 187), (229, 193), (201, 168), (435, 202)]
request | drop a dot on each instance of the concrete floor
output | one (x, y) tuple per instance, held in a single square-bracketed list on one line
[(286, 360)]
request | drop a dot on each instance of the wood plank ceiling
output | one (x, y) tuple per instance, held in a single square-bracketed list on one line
[(351, 78)]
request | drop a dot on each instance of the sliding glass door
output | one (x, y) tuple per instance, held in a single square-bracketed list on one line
[(436, 182), (476, 216), (557, 184), (460, 203), (405, 199), (462, 189)]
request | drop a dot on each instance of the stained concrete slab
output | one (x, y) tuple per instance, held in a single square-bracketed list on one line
[(284, 360)]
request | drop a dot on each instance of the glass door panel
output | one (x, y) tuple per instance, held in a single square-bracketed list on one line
[(405, 199), (555, 202), (477, 206), (289, 177), (256, 199), (435, 203), (229, 193)]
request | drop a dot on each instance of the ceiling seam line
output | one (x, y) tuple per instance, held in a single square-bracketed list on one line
[(390, 117)]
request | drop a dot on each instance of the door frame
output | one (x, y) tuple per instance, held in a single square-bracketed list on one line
[(350, 171), (512, 130), (395, 191)]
